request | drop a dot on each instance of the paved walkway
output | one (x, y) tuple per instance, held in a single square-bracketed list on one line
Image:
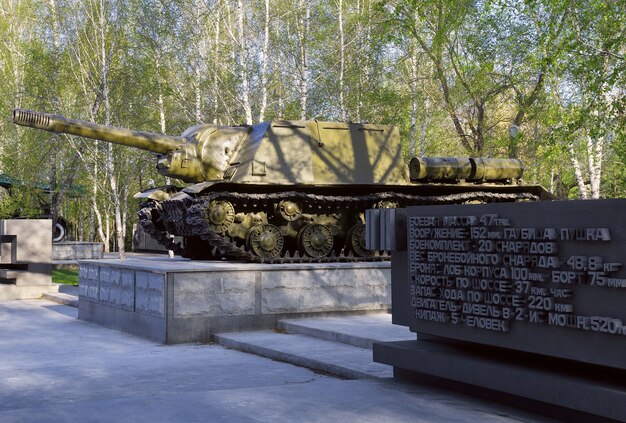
[(54, 367)]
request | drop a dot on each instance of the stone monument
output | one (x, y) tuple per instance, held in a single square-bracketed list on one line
[(520, 301), (25, 258)]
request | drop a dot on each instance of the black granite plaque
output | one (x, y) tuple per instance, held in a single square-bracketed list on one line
[(545, 277)]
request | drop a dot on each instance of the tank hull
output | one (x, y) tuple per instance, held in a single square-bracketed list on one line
[(269, 223), (282, 191)]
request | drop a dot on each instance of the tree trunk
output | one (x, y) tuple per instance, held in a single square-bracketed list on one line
[(96, 210), (594, 157), (216, 58), (105, 65), (413, 85), (479, 135), (265, 61), (197, 82), (342, 52), (424, 128), (578, 173), (302, 34), (243, 65)]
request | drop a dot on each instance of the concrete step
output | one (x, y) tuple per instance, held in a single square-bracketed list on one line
[(67, 294), (361, 331), (62, 298), (331, 357), (18, 292)]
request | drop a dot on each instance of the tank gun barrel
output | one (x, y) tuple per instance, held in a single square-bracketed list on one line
[(157, 143), (469, 169)]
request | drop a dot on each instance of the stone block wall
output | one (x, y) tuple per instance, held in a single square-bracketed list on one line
[(77, 250), (177, 301)]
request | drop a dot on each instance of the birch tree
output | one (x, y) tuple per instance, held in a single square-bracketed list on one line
[(303, 22), (94, 54), (265, 59), (587, 94), (342, 60), (243, 63)]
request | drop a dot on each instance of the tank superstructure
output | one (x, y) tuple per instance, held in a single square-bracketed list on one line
[(284, 191)]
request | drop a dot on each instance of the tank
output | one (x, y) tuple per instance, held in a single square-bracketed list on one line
[(291, 191)]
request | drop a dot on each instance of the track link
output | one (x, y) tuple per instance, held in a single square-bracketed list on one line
[(187, 218)]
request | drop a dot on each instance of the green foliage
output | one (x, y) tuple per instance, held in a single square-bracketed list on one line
[(541, 80)]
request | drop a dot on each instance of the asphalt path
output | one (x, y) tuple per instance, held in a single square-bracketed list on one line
[(55, 368)]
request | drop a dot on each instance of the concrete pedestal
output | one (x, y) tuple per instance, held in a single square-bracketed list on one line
[(176, 301), (25, 258)]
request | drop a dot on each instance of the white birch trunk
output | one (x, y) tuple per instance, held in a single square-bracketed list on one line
[(160, 99), (366, 72), (161, 104), (120, 232), (55, 25), (594, 157), (243, 65), (265, 61), (302, 34), (578, 173), (342, 52), (197, 72), (216, 58), (58, 190), (197, 93), (424, 129), (96, 210), (92, 164), (413, 84)]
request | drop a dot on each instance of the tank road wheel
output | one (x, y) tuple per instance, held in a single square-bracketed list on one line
[(289, 210), (315, 240), (265, 241), (220, 215), (387, 204), (356, 241)]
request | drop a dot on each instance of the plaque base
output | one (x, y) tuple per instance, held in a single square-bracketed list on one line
[(554, 387)]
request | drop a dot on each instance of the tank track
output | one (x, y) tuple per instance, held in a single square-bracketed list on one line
[(149, 216), (186, 217)]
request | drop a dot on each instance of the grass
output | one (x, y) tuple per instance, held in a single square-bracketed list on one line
[(67, 276)]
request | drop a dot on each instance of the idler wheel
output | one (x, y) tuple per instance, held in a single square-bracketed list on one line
[(289, 210), (265, 240), (356, 241), (219, 216), (315, 240)]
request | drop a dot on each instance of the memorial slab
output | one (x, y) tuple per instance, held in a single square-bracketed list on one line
[(545, 277), (522, 302)]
